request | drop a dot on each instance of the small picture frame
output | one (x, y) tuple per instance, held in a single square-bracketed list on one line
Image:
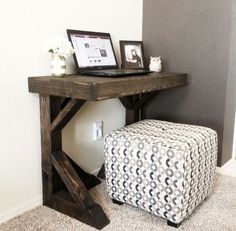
[(132, 54)]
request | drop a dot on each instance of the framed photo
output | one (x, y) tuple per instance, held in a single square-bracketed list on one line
[(132, 54)]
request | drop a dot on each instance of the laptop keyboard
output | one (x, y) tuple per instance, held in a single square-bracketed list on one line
[(115, 72)]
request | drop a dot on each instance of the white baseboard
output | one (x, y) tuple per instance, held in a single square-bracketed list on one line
[(228, 169), (38, 201), (22, 209), (27, 206)]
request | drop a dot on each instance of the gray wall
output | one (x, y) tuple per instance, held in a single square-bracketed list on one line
[(193, 37), (230, 102)]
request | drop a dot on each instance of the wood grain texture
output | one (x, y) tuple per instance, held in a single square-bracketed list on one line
[(70, 178), (46, 147), (65, 184), (133, 106), (89, 180), (84, 208), (56, 141), (99, 88), (60, 174), (66, 114), (93, 216)]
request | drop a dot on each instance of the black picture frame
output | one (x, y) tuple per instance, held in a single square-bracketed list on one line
[(132, 54)]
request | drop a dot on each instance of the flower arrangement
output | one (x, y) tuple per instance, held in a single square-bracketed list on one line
[(59, 46)]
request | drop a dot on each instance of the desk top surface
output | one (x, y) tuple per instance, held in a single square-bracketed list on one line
[(100, 88)]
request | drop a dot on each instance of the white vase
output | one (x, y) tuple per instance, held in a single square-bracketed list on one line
[(58, 65)]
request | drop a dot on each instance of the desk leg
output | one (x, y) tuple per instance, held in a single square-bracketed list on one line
[(46, 147), (63, 188), (134, 105)]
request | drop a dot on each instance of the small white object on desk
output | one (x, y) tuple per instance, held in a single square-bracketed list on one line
[(60, 49), (155, 64)]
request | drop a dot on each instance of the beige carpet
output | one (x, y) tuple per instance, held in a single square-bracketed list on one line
[(217, 213)]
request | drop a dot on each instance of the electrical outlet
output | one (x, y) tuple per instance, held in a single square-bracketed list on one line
[(98, 130)]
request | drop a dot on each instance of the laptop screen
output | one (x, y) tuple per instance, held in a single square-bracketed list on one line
[(93, 50)]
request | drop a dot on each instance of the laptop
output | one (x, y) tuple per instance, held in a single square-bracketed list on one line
[(94, 55)]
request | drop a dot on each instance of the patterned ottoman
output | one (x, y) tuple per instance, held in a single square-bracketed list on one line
[(162, 167)]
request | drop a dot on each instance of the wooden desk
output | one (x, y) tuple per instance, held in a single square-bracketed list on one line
[(65, 184)]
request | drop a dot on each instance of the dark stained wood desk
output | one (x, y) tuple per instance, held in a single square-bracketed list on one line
[(65, 184)]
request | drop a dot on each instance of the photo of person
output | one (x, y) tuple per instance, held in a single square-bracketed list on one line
[(132, 54)]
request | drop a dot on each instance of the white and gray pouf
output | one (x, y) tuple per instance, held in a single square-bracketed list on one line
[(161, 167)]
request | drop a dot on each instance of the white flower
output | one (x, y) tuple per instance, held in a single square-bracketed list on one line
[(59, 46)]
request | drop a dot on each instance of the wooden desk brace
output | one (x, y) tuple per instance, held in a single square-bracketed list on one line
[(133, 106), (63, 186), (63, 189)]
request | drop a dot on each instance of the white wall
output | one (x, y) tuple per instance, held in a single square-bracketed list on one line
[(78, 135), (25, 25)]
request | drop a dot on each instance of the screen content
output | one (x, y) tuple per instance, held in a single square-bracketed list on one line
[(93, 50)]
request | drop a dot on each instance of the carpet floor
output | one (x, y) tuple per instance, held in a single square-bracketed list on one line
[(217, 213)]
